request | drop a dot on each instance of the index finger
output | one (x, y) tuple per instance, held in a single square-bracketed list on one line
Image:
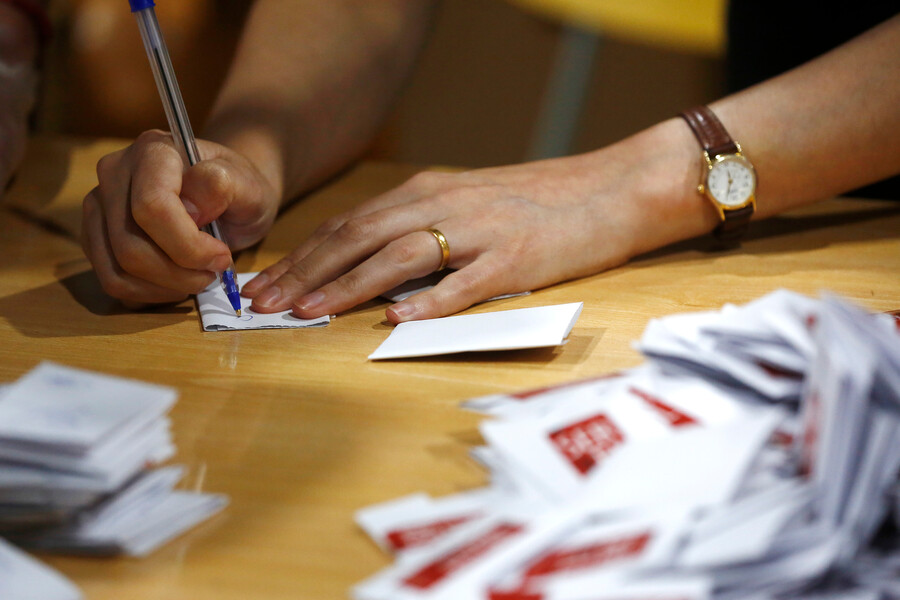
[(349, 245), (419, 186)]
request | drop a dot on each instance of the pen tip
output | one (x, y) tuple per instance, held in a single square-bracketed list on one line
[(238, 311)]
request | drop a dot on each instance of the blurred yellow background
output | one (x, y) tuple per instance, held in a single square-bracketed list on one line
[(473, 100)]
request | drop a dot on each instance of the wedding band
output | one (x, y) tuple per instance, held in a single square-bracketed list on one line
[(445, 247)]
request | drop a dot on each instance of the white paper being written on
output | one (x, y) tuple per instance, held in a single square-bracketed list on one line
[(216, 312)]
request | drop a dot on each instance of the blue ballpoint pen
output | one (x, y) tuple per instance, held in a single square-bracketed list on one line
[(176, 113)]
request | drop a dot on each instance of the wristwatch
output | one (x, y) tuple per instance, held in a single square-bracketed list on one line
[(728, 180)]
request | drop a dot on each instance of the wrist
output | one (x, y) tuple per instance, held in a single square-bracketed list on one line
[(658, 190)]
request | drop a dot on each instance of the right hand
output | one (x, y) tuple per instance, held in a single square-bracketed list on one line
[(18, 86), (140, 224)]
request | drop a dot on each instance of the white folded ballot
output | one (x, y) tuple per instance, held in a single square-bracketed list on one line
[(535, 327), (76, 450), (23, 578), (755, 455)]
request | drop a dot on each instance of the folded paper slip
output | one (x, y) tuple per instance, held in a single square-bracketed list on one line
[(505, 330), (25, 578), (216, 312)]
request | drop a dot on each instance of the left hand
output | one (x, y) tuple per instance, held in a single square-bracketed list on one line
[(509, 229)]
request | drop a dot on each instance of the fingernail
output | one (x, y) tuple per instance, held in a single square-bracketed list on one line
[(268, 298), (401, 313), (255, 284), (310, 301), (191, 209)]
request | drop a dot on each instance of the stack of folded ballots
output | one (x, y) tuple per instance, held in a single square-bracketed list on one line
[(75, 455), (754, 455)]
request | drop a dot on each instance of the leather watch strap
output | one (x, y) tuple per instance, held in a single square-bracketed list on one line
[(735, 224), (715, 140), (709, 131)]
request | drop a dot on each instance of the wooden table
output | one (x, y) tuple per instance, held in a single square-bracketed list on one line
[(297, 427)]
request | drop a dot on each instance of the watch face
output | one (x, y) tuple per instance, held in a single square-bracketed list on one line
[(731, 181)]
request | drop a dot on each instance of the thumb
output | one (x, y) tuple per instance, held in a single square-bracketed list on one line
[(227, 187), (207, 190)]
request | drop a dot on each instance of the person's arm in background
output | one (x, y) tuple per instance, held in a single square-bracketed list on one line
[(820, 130), (309, 86), (21, 29)]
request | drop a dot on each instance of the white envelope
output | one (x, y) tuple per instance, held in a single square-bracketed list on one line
[(504, 330), (598, 553), (413, 522)]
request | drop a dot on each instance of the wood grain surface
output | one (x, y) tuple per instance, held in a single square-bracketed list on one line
[(297, 427)]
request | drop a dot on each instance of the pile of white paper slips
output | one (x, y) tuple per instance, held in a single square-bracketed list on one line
[(75, 455), (754, 455)]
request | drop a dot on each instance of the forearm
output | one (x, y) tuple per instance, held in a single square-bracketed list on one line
[(820, 130), (312, 81), (826, 127)]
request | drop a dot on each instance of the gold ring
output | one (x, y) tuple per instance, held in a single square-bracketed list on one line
[(445, 247)]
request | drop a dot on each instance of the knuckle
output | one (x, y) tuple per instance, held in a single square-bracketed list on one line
[(430, 304), (282, 265), (329, 226), (515, 247), (129, 258), (154, 144), (149, 208), (469, 279), (425, 180), (471, 194), (357, 230), (105, 166), (401, 252), (351, 283), (217, 178), (150, 137), (116, 287), (190, 257), (478, 281), (297, 274)]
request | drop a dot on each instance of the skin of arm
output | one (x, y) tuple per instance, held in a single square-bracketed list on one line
[(308, 87), (824, 128), (19, 49)]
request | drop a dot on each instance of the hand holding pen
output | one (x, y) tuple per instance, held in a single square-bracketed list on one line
[(142, 225), (179, 124)]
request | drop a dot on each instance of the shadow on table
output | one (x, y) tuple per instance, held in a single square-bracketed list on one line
[(76, 305), (53, 179), (786, 234), (287, 457)]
